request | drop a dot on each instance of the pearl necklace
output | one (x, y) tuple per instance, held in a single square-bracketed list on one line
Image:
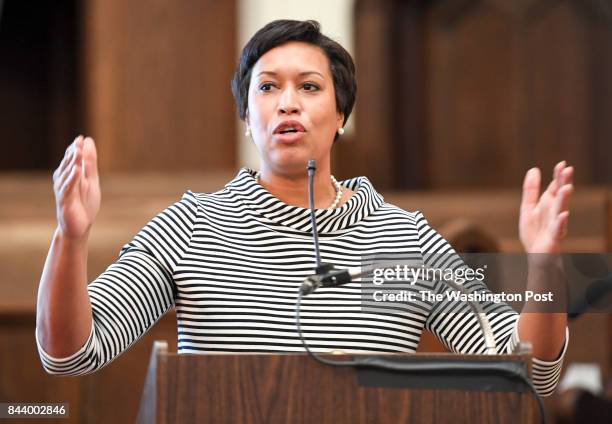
[(335, 183)]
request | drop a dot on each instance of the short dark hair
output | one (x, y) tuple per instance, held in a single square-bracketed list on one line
[(283, 31)]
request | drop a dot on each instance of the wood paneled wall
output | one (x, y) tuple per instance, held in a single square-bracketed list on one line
[(157, 83), (466, 93)]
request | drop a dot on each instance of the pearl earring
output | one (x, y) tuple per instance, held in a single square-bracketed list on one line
[(340, 131), (247, 133)]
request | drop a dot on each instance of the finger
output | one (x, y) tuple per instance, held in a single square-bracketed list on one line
[(61, 177), (67, 189), (76, 160), (558, 168), (74, 144), (556, 183), (562, 200), (66, 159), (531, 189), (75, 155), (63, 165), (90, 158), (567, 175), (561, 225)]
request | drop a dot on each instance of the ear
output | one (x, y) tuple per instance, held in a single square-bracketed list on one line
[(246, 117), (340, 120)]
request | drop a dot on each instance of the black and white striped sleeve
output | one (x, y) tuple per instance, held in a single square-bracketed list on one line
[(132, 293), (457, 327)]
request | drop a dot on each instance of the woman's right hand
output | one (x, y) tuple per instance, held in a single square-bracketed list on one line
[(77, 189)]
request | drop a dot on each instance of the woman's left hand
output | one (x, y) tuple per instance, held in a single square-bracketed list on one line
[(543, 219)]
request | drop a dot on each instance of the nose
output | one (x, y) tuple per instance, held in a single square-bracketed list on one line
[(288, 102)]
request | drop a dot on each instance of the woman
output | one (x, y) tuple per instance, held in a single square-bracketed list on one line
[(231, 261)]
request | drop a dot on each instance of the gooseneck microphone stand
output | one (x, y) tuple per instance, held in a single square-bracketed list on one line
[(326, 275)]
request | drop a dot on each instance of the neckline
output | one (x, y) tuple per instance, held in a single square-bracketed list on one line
[(337, 188), (361, 204)]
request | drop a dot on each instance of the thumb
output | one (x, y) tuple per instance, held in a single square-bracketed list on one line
[(90, 159), (531, 189)]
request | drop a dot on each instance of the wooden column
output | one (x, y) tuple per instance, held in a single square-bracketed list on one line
[(471, 94), (156, 83), (370, 151)]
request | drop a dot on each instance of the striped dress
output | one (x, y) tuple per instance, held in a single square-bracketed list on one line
[(231, 262)]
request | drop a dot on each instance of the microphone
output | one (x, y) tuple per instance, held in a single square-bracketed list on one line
[(311, 168), (333, 278), (326, 275)]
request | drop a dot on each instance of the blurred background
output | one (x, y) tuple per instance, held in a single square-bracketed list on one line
[(456, 100)]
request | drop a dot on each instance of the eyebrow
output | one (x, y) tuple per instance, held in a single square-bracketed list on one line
[(300, 74)]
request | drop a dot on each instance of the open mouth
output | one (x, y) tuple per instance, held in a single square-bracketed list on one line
[(289, 127)]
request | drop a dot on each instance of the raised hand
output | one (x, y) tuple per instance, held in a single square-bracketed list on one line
[(544, 219), (77, 189)]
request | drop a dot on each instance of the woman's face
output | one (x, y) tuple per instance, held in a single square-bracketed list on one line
[(292, 108)]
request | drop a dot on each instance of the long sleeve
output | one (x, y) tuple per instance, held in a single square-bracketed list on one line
[(132, 293), (457, 327)]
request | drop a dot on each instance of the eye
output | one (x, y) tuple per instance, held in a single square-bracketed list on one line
[(308, 86), (266, 86)]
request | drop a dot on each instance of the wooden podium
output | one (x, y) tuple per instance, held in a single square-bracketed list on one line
[(293, 388)]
